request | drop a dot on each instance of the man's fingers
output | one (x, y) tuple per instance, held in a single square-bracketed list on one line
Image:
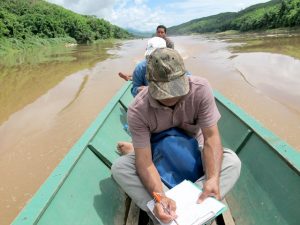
[(202, 197), (205, 195), (161, 214), (172, 207)]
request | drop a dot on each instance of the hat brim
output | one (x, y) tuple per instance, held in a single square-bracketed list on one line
[(174, 88)]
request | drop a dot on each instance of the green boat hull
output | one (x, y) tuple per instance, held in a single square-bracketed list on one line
[(81, 190)]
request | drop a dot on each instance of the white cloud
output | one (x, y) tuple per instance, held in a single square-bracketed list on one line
[(193, 9), (138, 2), (145, 15), (100, 9), (139, 17)]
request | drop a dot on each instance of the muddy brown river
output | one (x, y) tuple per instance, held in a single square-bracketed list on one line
[(48, 99)]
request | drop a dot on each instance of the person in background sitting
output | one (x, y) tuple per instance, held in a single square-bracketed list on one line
[(161, 31), (139, 80)]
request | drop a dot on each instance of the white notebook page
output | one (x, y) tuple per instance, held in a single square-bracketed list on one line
[(189, 212)]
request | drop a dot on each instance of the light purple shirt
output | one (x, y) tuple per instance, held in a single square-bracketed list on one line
[(194, 111)]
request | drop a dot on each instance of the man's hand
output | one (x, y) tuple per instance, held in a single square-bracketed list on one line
[(213, 157), (211, 188), (165, 210)]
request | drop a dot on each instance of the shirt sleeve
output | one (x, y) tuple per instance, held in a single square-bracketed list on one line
[(138, 128), (138, 77), (170, 44), (208, 113)]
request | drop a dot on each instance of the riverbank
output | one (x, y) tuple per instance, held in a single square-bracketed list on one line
[(16, 51), (25, 77), (284, 41), (14, 45), (25, 24)]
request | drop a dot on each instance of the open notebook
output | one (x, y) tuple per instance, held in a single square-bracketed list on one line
[(188, 211)]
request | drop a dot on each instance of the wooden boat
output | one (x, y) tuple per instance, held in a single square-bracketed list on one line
[(82, 191)]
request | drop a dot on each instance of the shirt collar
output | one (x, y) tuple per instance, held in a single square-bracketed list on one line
[(154, 103)]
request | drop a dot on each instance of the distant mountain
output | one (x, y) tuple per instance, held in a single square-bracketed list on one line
[(272, 14)]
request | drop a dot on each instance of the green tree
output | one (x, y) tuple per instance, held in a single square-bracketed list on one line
[(22, 19)]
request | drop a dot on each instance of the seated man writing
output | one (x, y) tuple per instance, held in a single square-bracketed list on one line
[(173, 99)]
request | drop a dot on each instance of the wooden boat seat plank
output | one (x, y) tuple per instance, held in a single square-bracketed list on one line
[(133, 215), (127, 98), (114, 129), (227, 216)]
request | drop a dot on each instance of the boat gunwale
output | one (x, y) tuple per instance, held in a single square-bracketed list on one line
[(290, 155), (37, 205)]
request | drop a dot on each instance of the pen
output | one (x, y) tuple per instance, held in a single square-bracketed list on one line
[(157, 198)]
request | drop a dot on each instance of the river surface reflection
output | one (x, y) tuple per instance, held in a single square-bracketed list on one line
[(25, 77), (277, 76)]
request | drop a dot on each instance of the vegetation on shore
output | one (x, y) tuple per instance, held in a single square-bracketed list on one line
[(269, 15), (27, 23)]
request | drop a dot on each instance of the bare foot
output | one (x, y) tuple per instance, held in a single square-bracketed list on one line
[(125, 147), (125, 76)]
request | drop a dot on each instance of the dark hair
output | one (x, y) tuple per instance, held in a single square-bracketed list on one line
[(161, 26)]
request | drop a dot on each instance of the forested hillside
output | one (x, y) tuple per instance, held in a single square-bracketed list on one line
[(25, 20), (272, 14)]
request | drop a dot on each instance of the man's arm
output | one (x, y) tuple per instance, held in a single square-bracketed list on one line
[(169, 43), (150, 178), (138, 78), (213, 156), (147, 170)]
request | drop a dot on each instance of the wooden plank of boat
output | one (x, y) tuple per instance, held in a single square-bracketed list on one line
[(227, 216), (133, 215), (81, 190)]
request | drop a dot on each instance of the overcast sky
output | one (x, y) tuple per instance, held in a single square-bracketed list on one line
[(145, 15)]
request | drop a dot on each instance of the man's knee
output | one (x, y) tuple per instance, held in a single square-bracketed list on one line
[(116, 168), (232, 162), (124, 172), (231, 168), (123, 168)]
